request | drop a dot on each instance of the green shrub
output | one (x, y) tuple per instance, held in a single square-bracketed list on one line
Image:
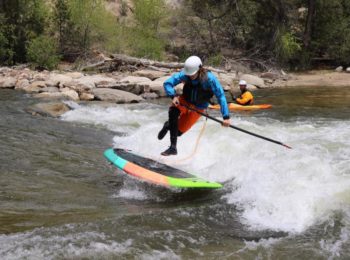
[(215, 60), (42, 52), (287, 47)]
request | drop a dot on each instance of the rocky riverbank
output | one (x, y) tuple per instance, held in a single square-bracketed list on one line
[(138, 86)]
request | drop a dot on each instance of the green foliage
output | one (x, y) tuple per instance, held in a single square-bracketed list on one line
[(215, 60), (149, 14), (146, 45), (21, 21), (287, 47), (42, 52), (144, 38), (6, 51), (82, 25)]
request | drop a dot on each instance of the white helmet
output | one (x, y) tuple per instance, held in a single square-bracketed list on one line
[(192, 65), (242, 82)]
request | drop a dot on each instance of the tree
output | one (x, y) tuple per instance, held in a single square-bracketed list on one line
[(22, 21)]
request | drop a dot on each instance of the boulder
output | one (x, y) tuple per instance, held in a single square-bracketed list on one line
[(339, 69), (86, 96), (74, 75), (7, 82), (49, 89), (348, 70), (92, 81), (115, 95), (150, 74), (58, 79), (70, 93), (133, 79), (149, 95), (157, 87), (54, 109), (51, 95), (162, 79), (253, 80), (42, 76), (226, 79), (22, 83), (270, 75)]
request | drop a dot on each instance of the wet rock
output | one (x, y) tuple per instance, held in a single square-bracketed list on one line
[(51, 95), (53, 109)]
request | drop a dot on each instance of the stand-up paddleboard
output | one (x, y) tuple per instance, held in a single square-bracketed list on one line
[(233, 106), (155, 172)]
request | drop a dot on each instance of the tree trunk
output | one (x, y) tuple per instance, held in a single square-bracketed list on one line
[(308, 25)]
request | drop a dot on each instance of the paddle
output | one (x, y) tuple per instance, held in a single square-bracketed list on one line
[(237, 128)]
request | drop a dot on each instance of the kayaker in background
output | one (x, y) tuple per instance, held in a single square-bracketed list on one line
[(246, 97), (199, 86)]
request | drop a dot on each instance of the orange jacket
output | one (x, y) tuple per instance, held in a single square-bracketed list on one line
[(245, 99)]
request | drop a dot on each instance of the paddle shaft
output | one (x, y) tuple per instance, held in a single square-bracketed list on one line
[(237, 128)]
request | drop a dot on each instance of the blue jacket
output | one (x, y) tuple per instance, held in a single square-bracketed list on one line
[(212, 82)]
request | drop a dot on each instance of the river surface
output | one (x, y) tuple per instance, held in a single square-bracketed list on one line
[(60, 199)]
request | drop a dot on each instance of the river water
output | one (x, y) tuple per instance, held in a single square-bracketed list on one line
[(60, 199)]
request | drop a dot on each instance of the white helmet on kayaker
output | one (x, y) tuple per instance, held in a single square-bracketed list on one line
[(192, 65), (242, 82)]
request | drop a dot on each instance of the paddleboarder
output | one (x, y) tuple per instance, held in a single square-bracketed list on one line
[(199, 86), (246, 98)]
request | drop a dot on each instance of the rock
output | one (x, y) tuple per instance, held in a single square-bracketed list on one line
[(157, 87), (162, 79), (39, 84), (269, 75), (32, 89), (54, 95), (22, 83), (149, 95), (339, 69), (150, 74), (86, 96), (7, 82), (41, 76), (253, 80), (74, 75), (226, 79), (58, 79), (116, 95), (54, 109), (93, 81), (348, 70), (133, 79), (70, 93), (49, 89)]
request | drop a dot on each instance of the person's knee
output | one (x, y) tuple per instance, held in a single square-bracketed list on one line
[(174, 113)]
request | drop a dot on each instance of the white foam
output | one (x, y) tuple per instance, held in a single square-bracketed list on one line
[(61, 242)]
